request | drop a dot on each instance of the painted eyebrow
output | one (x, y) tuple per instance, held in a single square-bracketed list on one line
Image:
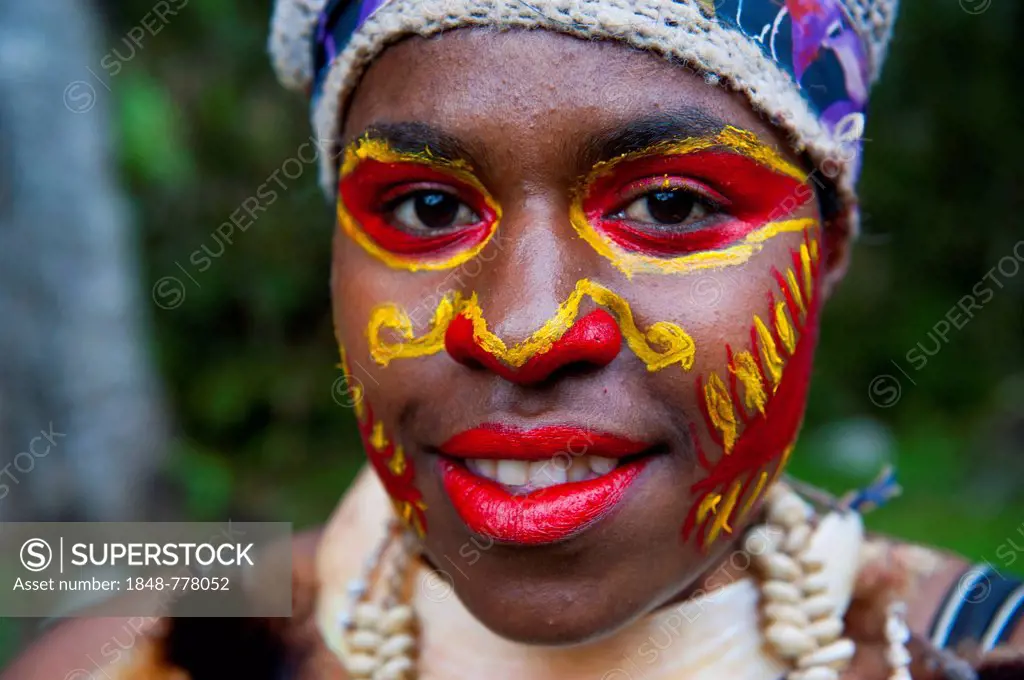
[(643, 133), (419, 138)]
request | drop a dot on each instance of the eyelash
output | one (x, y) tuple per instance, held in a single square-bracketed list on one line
[(638, 189), (374, 190), (740, 194)]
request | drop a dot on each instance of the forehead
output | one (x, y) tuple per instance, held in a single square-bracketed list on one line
[(536, 94)]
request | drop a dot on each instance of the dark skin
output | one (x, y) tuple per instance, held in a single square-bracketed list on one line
[(525, 107), (530, 113)]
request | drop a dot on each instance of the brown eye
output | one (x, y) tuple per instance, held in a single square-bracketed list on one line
[(663, 207), (431, 210)]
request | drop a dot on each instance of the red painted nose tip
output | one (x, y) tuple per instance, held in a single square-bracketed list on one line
[(594, 340)]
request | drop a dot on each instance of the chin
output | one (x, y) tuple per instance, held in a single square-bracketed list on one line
[(550, 612)]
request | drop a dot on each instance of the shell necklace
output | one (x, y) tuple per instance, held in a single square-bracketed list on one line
[(806, 567)]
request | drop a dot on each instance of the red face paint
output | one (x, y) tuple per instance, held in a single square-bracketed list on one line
[(395, 471), (543, 515), (370, 191), (389, 461), (594, 339), (764, 438), (742, 193)]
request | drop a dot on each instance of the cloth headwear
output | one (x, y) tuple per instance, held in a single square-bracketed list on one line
[(807, 65)]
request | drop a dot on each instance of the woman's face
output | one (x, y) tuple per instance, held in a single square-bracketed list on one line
[(577, 289)]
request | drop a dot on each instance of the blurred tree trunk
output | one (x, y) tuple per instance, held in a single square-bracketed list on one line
[(81, 426)]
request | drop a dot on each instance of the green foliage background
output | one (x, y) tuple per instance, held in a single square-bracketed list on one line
[(248, 358)]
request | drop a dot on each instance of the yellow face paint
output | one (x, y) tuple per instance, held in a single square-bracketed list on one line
[(785, 330), (752, 498), (740, 142), (757, 433), (794, 289), (387, 457), (721, 521), (663, 344), (769, 352), (364, 224), (744, 367), (720, 411)]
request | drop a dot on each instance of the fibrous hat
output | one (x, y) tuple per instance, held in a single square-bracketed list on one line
[(806, 65)]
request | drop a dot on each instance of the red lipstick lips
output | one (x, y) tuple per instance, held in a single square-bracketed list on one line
[(544, 515)]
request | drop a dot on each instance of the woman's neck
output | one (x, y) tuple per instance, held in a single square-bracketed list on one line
[(709, 630)]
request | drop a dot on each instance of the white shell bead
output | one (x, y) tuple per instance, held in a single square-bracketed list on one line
[(398, 668), (818, 606), (364, 640), (762, 539), (900, 674), (780, 591), (782, 567), (382, 674), (812, 563), (819, 673), (786, 613), (797, 539), (361, 665), (367, 615), (825, 630), (838, 653), (789, 511), (776, 492), (814, 584), (789, 641), (397, 620), (397, 646)]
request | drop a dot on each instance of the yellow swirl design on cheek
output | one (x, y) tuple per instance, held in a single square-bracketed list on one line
[(661, 345), (742, 142), (368, 148), (391, 316)]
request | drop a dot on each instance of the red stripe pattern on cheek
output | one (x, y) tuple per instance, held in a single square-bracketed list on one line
[(364, 193), (751, 195), (755, 412), (387, 457)]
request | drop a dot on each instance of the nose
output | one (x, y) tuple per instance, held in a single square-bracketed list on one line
[(591, 341)]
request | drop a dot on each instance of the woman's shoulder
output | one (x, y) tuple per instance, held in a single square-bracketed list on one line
[(958, 610)]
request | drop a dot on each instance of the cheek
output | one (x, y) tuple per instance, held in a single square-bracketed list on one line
[(357, 289), (751, 391), (385, 454)]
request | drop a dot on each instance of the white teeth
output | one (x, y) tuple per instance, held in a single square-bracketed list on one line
[(513, 472), (579, 470), (483, 467), (540, 474), (546, 473)]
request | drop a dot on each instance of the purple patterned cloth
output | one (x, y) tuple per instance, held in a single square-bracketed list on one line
[(813, 40)]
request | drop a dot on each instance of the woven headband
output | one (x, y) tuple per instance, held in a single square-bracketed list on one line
[(806, 64), (814, 41)]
